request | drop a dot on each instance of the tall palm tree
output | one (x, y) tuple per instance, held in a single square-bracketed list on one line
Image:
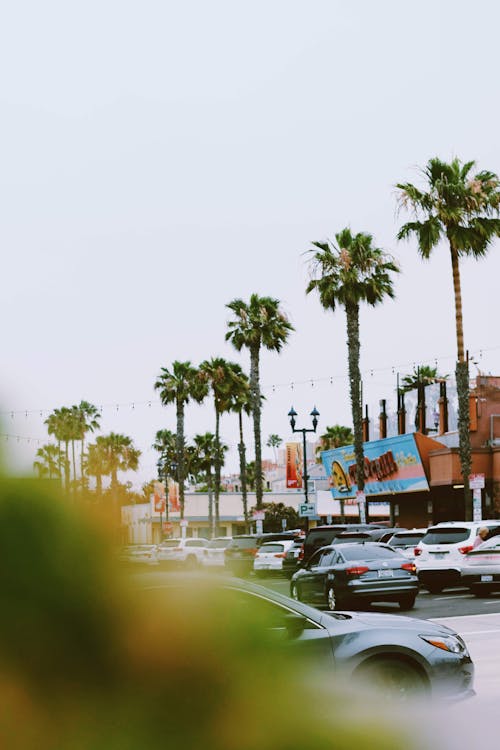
[(334, 437), (222, 377), (461, 208), (178, 386), (60, 423), (346, 274), (96, 462), (258, 323), (120, 455), (242, 403), (87, 418), (274, 441), (50, 458), (207, 451)]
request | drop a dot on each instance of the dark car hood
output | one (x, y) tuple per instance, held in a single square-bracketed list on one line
[(376, 620)]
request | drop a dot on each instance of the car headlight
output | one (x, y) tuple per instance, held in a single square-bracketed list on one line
[(452, 643)]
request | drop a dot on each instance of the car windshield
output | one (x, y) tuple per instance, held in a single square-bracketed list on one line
[(450, 535), (219, 543), (353, 537), (405, 540), (363, 552), (271, 548)]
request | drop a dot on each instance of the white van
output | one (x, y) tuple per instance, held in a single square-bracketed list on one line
[(440, 554)]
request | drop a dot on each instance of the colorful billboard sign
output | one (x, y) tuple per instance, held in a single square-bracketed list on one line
[(392, 465), (294, 466)]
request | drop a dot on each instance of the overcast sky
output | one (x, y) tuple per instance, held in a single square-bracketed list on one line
[(159, 159)]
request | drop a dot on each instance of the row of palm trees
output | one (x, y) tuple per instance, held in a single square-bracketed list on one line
[(454, 204), (105, 457)]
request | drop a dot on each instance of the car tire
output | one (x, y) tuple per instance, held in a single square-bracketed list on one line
[(294, 592), (479, 591), (333, 601), (407, 602), (434, 588), (393, 680)]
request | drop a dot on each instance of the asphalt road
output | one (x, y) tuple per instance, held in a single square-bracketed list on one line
[(455, 602)]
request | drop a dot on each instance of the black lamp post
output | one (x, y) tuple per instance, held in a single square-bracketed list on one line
[(314, 414)]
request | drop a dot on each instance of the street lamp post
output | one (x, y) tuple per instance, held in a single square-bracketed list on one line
[(314, 414)]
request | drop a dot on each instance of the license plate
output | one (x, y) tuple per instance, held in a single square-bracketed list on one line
[(486, 579), (385, 574), (438, 555)]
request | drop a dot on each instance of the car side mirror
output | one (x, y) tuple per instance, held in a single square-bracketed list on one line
[(294, 623)]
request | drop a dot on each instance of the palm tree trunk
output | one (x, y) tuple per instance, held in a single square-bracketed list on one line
[(114, 488), (73, 461), (98, 485), (243, 471), (82, 472), (352, 313), (462, 378), (67, 466), (255, 400), (217, 463), (180, 452)]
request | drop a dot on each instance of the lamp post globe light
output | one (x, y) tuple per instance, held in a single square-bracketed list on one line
[(314, 414)]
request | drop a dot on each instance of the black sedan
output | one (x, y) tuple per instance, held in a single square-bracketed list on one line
[(400, 656), (336, 577)]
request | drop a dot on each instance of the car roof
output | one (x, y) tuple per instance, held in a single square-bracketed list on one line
[(467, 524)]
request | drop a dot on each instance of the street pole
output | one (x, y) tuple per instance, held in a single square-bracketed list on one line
[(305, 477)]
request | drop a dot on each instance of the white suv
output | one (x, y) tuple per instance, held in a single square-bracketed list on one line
[(440, 554), (187, 552)]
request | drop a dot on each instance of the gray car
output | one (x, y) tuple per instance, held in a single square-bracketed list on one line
[(401, 656)]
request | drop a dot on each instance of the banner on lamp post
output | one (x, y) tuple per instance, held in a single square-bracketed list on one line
[(293, 466)]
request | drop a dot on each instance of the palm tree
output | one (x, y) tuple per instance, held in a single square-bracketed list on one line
[(334, 437), (96, 462), (178, 386), (120, 455), (50, 459), (60, 424), (422, 376), (222, 377), (242, 403), (274, 441), (87, 418), (346, 274), (461, 208), (256, 324), (208, 453)]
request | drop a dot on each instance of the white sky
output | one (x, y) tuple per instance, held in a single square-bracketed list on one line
[(160, 158)]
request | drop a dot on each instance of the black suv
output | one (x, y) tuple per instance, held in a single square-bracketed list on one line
[(240, 553), (321, 536)]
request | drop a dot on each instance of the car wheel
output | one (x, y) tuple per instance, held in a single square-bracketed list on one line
[(393, 680), (434, 588), (294, 592), (479, 591), (407, 602), (333, 600)]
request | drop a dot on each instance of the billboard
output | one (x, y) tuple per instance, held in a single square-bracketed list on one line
[(392, 465), (294, 466)]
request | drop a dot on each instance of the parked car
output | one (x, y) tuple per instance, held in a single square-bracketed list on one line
[(440, 554), (184, 552), (339, 576), (369, 535), (270, 557), (405, 541), (240, 554), (144, 554), (213, 554), (320, 536), (293, 558), (400, 656), (481, 569)]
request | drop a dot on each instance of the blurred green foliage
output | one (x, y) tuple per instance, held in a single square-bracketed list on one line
[(93, 658)]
